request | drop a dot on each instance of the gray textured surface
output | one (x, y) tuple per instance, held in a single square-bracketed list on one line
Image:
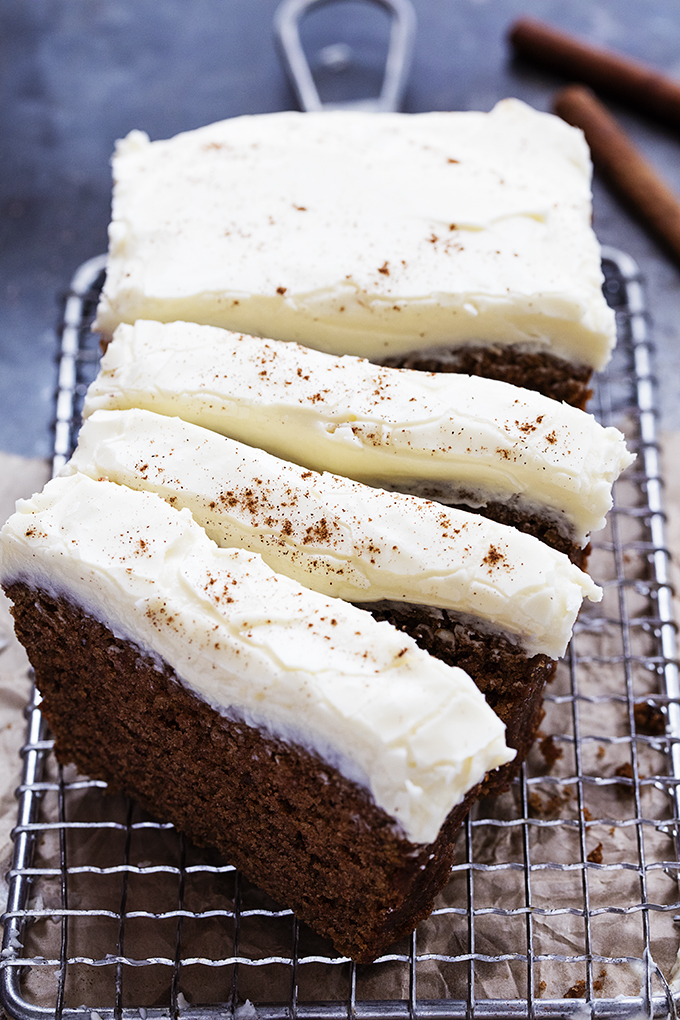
[(77, 74)]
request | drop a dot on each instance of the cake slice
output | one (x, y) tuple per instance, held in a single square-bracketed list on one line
[(459, 240), (322, 752), (340, 537), (513, 454)]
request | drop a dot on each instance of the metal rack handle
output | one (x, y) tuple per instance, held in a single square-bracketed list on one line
[(402, 33)]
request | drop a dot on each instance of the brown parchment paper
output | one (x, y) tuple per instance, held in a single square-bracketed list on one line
[(557, 895)]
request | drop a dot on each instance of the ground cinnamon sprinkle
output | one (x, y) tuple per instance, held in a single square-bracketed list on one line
[(493, 557), (317, 532)]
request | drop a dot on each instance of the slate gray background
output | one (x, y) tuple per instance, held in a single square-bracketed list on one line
[(77, 74)]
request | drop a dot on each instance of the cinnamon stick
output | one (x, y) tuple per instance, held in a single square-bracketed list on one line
[(612, 74), (623, 164)]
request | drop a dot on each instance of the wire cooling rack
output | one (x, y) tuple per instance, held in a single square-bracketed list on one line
[(562, 899)]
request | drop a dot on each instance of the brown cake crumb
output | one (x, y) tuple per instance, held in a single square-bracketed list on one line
[(595, 856), (553, 805), (535, 804), (577, 991), (558, 800), (626, 772), (649, 719), (550, 751)]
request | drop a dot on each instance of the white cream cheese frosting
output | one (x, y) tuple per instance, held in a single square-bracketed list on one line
[(257, 646), (477, 439), (366, 234), (340, 537)]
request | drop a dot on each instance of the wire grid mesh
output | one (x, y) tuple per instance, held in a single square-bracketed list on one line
[(563, 896)]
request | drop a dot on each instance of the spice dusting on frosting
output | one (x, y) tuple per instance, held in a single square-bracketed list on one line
[(517, 222), (397, 429), (494, 557), (342, 537)]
